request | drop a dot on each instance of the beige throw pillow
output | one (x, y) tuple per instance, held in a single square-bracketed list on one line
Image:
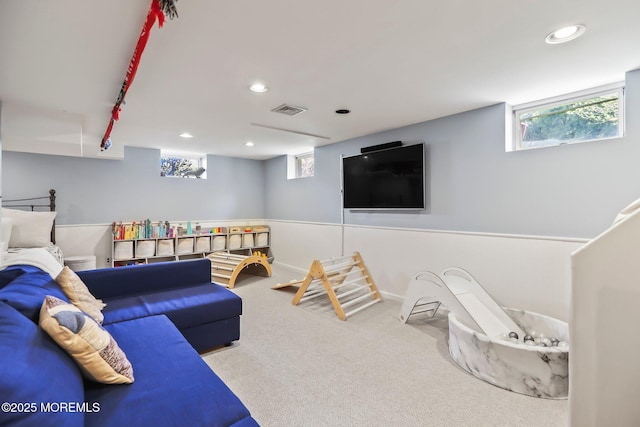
[(77, 292), (91, 346)]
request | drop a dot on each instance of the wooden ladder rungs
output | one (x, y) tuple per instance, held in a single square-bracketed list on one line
[(324, 278), (312, 293), (355, 291), (234, 264), (335, 260), (221, 267), (227, 255), (338, 267), (357, 300), (362, 307), (344, 274), (350, 282), (222, 261)]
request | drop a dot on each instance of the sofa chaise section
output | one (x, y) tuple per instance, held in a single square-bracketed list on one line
[(163, 360), (207, 314)]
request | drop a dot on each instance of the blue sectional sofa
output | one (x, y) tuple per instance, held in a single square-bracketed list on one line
[(207, 315), (160, 315)]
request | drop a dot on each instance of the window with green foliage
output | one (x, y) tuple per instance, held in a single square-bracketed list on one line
[(183, 165), (589, 116)]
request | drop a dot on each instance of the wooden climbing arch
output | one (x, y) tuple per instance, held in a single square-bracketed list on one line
[(226, 267)]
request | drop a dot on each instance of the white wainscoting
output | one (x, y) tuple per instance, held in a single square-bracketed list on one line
[(603, 366), (527, 272), (297, 244), (86, 239)]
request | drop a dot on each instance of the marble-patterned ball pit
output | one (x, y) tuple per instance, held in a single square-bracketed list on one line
[(527, 369)]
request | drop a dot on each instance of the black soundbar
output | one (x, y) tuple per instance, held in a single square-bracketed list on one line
[(380, 147)]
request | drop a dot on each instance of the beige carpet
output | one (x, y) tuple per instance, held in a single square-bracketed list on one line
[(302, 366)]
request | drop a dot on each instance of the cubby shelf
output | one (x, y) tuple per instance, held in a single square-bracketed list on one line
[(245, 240)]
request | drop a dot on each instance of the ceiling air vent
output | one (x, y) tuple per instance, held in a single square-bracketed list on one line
[(289, 110)]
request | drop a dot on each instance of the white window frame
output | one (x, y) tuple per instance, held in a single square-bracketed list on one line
[(294, 165), (199, 160), (518, 110)]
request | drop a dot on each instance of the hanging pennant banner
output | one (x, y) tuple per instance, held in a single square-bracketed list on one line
[(158, 10)]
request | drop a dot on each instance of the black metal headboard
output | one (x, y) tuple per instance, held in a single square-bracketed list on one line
[(32, 204)]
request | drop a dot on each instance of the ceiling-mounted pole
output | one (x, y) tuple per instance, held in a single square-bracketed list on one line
[(341, 209)]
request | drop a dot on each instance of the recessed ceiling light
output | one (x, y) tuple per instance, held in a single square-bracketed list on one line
[(565, 34), (186, 135), (249, 144), (343, 111), (258, 87)]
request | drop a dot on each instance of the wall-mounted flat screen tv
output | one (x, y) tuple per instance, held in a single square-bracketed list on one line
[(388, 179)]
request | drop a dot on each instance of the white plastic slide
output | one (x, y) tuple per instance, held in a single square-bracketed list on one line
[(463, 296)]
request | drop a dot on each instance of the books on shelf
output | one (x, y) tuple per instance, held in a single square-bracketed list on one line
[(145, 229), (148, 241)]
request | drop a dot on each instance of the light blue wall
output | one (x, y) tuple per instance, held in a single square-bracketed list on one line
[(93, 191), (0, 155), (307, 199), (0, 162), (474, 185)]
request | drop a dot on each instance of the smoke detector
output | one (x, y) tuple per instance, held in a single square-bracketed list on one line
[(289, 110)]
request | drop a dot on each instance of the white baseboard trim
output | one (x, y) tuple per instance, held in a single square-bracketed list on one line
[(391, 296), (291, 267)]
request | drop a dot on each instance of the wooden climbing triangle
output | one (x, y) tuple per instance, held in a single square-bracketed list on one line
[(345, 280)]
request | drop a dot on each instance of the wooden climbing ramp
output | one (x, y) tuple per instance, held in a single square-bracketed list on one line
[(345, 281), (226, 267)]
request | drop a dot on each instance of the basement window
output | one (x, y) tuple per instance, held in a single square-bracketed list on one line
[(304, 165), (592, 115), (300, 165), (180, 165)]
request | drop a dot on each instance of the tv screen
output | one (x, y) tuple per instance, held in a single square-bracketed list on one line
[(387, 179)]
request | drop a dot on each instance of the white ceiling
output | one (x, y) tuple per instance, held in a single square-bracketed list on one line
[(392, 63)]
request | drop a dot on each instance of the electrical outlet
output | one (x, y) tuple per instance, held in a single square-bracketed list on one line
[(108, 260)]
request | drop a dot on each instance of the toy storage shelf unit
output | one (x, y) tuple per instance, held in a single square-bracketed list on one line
[(250, 240)]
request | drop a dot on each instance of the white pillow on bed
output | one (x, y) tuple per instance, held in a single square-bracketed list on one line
[(30, 229), (7, 225)]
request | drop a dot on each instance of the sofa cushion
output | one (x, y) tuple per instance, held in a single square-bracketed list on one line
[(90, 345), (186, 307), (111, 283), (27, 291), (36, 372), (79, 295), (174, 386), (10, 273)]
